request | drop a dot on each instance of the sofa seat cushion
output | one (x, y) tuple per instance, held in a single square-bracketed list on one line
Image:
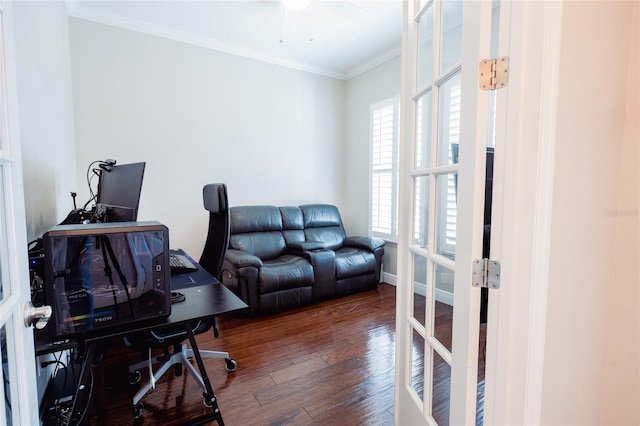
[(284, 273), (351, 262)]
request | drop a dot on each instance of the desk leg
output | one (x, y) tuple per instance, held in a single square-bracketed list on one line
[(80, 399), (207, 384)]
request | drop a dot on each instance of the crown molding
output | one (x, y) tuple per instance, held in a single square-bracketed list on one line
[(372, 63), (76, 10)]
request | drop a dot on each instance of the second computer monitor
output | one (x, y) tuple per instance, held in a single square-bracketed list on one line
[(119, 190)]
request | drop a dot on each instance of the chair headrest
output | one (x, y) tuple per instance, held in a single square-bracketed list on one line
[(214, 196)]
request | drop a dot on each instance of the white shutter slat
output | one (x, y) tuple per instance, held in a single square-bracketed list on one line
[(384, 165)]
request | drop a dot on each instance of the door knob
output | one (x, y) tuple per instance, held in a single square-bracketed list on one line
[(36, 316)]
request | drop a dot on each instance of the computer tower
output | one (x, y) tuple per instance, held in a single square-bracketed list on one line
[(100, 276)]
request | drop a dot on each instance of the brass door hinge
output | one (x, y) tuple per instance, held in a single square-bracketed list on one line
[(494, 73), (486, 273)]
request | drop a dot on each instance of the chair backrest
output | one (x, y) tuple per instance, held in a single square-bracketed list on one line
[(216, 202)]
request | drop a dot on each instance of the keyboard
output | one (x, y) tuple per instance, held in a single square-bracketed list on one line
[(180, 264)]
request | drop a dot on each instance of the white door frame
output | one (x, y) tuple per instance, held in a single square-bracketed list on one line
[(522, 202), (20, 342)]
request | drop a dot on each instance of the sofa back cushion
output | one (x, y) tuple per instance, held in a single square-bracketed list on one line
[(257, 230), (322, 222), (292, 224)]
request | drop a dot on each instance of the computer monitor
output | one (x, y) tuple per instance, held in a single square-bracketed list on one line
[(119, 191)]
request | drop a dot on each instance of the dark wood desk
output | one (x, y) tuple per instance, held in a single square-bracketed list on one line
[(205, 297)]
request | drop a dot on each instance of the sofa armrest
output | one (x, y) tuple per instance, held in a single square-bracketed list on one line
[(242, 280), (366, 243), (241, 259), (303, 246)]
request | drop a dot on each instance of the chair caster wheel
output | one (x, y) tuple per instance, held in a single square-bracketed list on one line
[(231, 365), (134, 377), (208, 402), (137, 410)]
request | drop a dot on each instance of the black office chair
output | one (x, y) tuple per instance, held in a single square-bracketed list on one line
[(214, 196), (215, 200), (170, 339)]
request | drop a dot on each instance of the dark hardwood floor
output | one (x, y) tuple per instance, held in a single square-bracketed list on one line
[(329, 363)]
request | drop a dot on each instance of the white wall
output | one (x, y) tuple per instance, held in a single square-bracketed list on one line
[(46, 112), (375, 85), (196, 116), (584, 247)]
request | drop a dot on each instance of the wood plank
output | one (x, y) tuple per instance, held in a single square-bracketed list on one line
[(328, 363)]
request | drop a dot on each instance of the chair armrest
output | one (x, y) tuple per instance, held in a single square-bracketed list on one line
[(241, 259), (303, 246), (365, 243)]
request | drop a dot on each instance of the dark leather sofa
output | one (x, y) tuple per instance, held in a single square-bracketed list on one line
[(282, 258)]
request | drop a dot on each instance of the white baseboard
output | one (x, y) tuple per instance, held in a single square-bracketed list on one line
[(389, 279), (441, 295)]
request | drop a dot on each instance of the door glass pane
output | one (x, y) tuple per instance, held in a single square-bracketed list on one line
[(449, 121), (447, 212), (6, 391), (425, 48), (451, 50), (423, 130), (419, 288), (441, 390), (421, 217), (443, 313), (417, 364)]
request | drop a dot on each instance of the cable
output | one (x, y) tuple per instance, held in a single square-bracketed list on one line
[(103, 165), (7, 401), (63, 414), (59, 363), (86, 406), (48, 363), (90, 176)]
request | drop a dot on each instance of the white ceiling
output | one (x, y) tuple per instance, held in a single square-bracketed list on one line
[(336, 38)]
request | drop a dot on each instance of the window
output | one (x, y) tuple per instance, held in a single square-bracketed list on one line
[(451, 131), (384, 118)]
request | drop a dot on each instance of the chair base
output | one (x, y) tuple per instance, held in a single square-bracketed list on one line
[(181, 358)]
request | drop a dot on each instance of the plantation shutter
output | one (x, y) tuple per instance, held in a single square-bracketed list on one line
[(384, 165)]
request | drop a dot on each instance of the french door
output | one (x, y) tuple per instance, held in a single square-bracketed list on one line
[(18, 395), (442, 171)]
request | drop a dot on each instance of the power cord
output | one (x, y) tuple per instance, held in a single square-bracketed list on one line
[(63, 414)]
